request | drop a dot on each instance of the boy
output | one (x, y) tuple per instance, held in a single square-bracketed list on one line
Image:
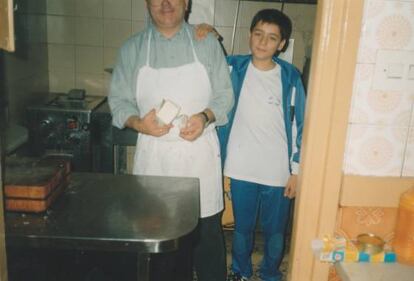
[(261, 143)]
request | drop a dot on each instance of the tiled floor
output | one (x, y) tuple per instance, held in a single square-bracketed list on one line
[(48, 265)]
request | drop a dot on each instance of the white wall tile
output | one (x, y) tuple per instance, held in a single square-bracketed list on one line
[(89, 8), (60, 30), (248, 9), (89, 60), (110, 56), (137, 26), (89, 31), (118, 9), (61, 57), (225, 11), (139, 10), (241, 45), (116, 32), (60, 7), (202, 12), (31, 7), (92, 83), (226, 33), (36, 28), (61, 80)]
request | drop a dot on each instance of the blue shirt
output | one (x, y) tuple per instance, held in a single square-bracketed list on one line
[(167, 53)]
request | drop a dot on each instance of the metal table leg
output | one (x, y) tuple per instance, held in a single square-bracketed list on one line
[(143, 267)]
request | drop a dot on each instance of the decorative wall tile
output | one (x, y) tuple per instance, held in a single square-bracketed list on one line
[(375, 150), (353, 221), (390, 27), (408, 167), (379, 122)]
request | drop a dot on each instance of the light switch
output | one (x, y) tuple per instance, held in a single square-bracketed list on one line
[(395, 70), (410, 74)]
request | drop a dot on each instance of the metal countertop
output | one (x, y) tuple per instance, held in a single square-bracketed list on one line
[(146, 214)]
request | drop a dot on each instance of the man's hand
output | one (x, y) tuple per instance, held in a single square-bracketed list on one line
[(194, 128), (203, 29), (148, 125), (290, 189)]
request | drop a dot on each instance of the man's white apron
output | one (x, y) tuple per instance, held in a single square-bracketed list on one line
[(189, 87)]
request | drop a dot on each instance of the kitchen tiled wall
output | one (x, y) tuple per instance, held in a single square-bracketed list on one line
[(381, 125), (24, 72), (84, 35)]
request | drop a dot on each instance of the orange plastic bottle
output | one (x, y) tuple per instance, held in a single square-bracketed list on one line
[(404, 233)]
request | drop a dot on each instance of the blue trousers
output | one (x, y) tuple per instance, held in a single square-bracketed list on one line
[(250, 199)]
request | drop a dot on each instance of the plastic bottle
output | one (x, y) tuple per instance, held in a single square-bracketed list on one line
[(404, 233)]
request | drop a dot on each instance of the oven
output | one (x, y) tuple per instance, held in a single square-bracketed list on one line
[(72, 127)]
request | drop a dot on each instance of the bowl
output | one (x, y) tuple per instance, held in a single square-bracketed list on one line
[(370, 243)]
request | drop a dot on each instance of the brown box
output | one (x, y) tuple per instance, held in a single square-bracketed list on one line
[(32, 184)]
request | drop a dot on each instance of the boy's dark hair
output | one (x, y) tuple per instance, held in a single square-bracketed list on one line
[(273, 16)]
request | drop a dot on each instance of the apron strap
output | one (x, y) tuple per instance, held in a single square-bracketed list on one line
[(192, 45), (148, 47)]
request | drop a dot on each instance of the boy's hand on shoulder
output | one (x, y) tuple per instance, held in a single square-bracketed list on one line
[(290, 189), (203, 29)]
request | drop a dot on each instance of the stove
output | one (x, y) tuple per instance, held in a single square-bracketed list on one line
[(66, 126)]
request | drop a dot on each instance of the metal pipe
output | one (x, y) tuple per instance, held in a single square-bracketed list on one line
[(236, 18)]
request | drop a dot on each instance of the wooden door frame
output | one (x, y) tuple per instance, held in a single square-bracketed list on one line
[(334, 57), (7, 25)]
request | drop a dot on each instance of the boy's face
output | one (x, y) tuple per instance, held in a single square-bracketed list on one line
[(265, 41)]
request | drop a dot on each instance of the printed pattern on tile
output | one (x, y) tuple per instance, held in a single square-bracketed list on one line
[(353, 221), (379, 131), (375, 150)]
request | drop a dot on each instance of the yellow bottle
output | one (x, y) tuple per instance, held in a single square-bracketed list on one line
[(404, 233)]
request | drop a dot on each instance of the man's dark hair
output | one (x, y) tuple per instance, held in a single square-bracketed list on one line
[(273, 16)]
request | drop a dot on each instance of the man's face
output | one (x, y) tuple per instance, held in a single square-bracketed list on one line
[(167, 13), (265, 40)]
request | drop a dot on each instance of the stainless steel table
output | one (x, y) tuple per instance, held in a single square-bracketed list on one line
[(375, 271), (142, 214)]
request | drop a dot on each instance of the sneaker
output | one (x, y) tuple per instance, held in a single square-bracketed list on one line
[(236, 277)]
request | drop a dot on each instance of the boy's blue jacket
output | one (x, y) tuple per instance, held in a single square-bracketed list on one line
[(291, 80)]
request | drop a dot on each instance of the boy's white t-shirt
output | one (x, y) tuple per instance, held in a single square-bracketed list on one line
[(257, 150)]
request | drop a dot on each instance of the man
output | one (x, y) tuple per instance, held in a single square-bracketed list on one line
[(160, 63)]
